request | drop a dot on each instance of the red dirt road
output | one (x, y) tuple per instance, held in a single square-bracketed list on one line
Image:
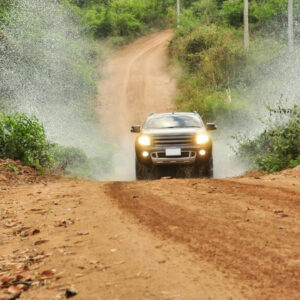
[(166, 239)]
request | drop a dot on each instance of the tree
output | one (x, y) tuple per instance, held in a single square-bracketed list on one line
[(290, 25), (246, 24), (178, 13)]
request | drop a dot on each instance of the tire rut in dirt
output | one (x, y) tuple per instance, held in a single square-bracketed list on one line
[(242, 253)]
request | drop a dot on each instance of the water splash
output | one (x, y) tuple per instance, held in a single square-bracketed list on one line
[(46, 69), (279, 82)]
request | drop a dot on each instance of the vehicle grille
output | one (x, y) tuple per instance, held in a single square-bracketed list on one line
[(169, 140), (183, 154)]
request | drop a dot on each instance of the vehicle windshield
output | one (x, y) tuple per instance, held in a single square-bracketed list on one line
[(173, 121)]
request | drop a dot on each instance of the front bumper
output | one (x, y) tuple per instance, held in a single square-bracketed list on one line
[(160, 158), (189, 155)]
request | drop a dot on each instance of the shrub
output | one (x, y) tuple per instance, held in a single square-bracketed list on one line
[(127, 25), (68, 157), (98, 22), (233, 12), (214, 51), (3, 15), (206, 11), (23, 138), (212, 58), (75, 162), (107, 18), (277, 148), (260, 12)]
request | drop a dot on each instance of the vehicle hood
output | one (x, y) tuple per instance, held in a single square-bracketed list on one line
[(171, 131)]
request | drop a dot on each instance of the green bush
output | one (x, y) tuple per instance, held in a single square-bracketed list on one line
[(74, 161), (212, 58), (206, 10), (214, 51), (23, 138), (127, 25), (68, 157), (3, 15), (260, 12), (123, 18), (233, 12), (277, 148)]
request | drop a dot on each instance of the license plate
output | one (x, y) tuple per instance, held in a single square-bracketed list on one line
[(173, 152)]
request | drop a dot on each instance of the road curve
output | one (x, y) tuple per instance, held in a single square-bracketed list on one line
[(137, 82)]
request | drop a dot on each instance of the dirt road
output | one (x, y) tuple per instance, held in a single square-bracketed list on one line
[(137, 82), (167, 239)]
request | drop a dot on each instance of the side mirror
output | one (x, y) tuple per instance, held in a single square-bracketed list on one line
[(136, 128), (211, 126)]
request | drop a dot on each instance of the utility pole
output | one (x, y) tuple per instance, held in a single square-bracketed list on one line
[(246, 24), (178, 13), (291, 25)]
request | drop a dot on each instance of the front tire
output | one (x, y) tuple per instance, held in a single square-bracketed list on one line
[(208, 170), (141, 171), (205, 170)]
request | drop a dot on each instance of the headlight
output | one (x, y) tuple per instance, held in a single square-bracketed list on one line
[(202, 139), (144, 140)]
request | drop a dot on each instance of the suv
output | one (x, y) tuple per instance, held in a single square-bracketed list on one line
[(173, 142)]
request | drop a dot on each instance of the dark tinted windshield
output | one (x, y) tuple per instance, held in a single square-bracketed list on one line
[(173, 121)]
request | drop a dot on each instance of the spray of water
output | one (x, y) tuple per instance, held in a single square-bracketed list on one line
[(46, 69), (279, 82)]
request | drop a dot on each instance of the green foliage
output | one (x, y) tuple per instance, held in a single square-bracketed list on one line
[(277, 148), (23, 138), (127, 25), (259, 11), (107, 18), (206, 11), (11, 167), (75, 162), (213, 58), (3, 15), (68, 157)]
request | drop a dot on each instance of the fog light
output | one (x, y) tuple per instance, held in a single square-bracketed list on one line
[(145, 154), (202, 152)]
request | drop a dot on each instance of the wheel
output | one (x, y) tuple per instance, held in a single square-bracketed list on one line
[(186, 172), (141, 171), (205, 170), (208, 170)]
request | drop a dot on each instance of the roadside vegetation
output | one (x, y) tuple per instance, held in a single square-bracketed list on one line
[(278, 146), (119, 21), (23, 138), (232, 86)]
